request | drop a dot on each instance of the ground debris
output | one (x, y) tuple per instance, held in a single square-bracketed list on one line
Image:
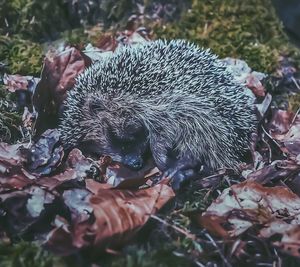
[(45, 197)]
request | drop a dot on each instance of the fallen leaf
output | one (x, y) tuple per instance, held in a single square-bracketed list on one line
[(45, 154), (122, 177), (38, 198), (278, 169), (77, 200), (280, 123), (58, 76), (242, 206), (243, 74), (253, 82), (120, 213), (19, 82), (107, 43), (12, 172), (285, 128), (290, 241), (116, 216), (264, 106)]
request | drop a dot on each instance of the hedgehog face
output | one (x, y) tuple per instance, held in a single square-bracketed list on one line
[(128, 145), (118, 135)]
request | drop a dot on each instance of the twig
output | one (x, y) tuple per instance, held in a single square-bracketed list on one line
[(181, 231), (279, 260), (176, 228), (269, 148), (275, 142), (267, 134), (296, 83), (294, 118), (218, 249)]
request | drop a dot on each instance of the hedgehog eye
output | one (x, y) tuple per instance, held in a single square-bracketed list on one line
[(128, 141), (96, 106)]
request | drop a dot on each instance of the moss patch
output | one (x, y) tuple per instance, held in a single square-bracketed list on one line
[(33, 19), (21, 56), (294, 102), (25, 254), (234, 28), (10, 119)]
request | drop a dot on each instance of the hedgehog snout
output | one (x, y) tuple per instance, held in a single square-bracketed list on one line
[(133, 161)]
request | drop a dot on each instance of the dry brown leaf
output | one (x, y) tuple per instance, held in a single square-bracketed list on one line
[(243, 74), (285, 128), (275, 210), (253, 82), (290, 241), (45, 155), (120, 213), (19, 82), (58, 76), (122, 177), (214, 224), (280, 123), (252, 198), (278, 169), (117, 216), (263, 107), (12, 173), (76, 168), (94, 186), (107, 43)]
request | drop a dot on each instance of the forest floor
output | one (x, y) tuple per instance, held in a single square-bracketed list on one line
[(72, 210)]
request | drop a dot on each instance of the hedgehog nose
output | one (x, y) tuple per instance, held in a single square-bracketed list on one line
[(135, 163)]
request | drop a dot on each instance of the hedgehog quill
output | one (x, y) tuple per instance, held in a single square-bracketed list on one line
[(168, 97)]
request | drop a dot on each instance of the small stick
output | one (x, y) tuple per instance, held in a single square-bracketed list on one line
[(267, 134), (218, 249), (296, 83), (176, 228), (295, 117)]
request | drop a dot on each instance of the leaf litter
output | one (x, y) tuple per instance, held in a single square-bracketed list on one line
[(71, 202)]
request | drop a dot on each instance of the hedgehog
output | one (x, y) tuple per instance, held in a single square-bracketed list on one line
[(172, 99)]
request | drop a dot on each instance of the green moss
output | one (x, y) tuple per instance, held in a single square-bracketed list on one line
[(248, 30), (77, 37), (32, 19), (160, 256), (80, 37), (9, 119), (9, 122), (21, 56), (196, 200), (25, 254), (116, 10), (44, 20), (294, 102)]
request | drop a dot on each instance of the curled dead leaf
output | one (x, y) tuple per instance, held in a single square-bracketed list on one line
[(117, 216), (275, 210), (120, 213), (58, 76), (12, 172)]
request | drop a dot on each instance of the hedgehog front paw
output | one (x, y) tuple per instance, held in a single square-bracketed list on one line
[(178, 177)]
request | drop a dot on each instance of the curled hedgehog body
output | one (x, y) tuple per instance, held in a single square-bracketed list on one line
[(172, 97)]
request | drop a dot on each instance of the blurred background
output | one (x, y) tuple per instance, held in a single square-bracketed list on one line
[(251, 30), (289, 12)]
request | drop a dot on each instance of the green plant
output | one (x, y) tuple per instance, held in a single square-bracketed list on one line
[(234, 28)]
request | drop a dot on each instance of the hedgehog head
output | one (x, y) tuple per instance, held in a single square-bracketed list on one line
[(113, 130)]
